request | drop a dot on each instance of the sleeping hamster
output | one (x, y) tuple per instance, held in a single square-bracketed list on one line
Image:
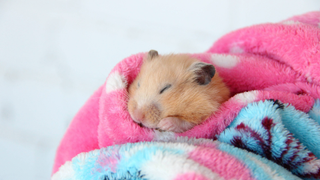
[(175, 92)]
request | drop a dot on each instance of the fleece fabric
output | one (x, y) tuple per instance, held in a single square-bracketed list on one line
[(273, 72)]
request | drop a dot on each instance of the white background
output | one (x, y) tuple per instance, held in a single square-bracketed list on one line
[(55, 53)]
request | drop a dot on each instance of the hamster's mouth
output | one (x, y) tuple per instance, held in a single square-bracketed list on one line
[(158, 129), (140, 124), (143, 126)]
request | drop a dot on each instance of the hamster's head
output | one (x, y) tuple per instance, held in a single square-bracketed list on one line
[(175, 92)]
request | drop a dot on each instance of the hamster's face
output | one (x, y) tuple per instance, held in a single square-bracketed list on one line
[(174, 92)]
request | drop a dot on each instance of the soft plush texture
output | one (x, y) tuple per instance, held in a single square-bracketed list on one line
[(181, 158), (273, 72)]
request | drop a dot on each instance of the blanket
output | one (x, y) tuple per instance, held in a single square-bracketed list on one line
[(268, 129), (181, 158)]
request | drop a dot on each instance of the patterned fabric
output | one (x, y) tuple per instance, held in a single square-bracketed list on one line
[(280, 133), (179, 159)]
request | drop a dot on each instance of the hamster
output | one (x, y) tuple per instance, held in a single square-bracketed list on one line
[(175, 92)]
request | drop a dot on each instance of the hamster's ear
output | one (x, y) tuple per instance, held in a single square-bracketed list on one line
[(152, 54), (203, 72)]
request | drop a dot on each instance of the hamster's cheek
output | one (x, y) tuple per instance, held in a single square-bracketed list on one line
[(132, 104), (174, 124)]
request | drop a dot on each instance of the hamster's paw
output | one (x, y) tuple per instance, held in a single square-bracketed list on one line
[(174, 124)]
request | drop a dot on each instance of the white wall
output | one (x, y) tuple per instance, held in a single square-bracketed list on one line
[(55, 53)]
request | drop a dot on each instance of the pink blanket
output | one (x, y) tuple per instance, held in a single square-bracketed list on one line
[(269, 61)]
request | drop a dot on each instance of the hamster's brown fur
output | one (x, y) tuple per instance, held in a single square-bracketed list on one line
[(170, 94)]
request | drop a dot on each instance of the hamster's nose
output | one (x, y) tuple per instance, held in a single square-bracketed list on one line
[(139, 115)]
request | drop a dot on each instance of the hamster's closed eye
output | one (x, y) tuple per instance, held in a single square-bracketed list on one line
[(165, 88)]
